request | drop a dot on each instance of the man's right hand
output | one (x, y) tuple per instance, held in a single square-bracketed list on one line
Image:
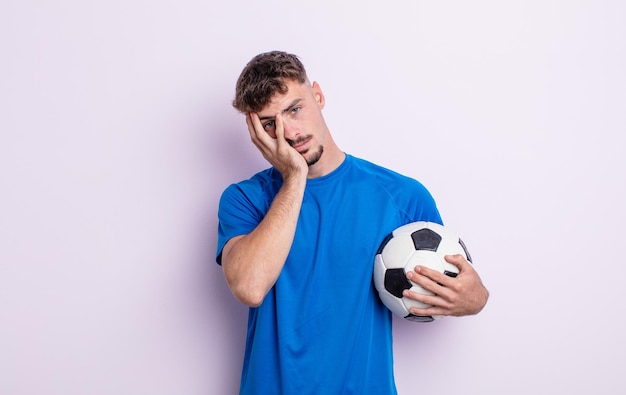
[(277, 150)]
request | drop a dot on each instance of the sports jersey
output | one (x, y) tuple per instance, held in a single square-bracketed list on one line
[(322, 329)]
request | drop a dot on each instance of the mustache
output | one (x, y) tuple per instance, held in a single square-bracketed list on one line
[(299, 140)]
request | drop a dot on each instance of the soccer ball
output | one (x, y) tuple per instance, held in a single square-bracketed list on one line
[(417, 243)]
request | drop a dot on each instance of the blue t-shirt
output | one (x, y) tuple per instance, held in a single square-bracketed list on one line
[(322, 328)]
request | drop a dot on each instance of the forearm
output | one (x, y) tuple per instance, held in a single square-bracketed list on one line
[(253, 262)]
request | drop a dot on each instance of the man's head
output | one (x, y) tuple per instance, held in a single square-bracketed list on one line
[(266, 75), (275, 94)]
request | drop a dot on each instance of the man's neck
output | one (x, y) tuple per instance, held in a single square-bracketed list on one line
[(330, 163)]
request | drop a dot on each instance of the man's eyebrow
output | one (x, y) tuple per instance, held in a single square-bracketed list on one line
[(291, 105)]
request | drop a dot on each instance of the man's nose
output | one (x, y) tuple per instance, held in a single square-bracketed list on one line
[(290, 129)]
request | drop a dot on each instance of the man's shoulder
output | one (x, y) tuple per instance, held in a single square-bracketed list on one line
[(260, 179), (262, 185), (379, 171)]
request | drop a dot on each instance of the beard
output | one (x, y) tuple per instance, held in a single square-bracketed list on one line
[(315, 156)]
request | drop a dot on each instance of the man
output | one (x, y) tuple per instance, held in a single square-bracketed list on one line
[(297, 243)]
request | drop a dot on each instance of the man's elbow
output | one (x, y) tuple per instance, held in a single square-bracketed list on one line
[(245, 290), (247, 295)]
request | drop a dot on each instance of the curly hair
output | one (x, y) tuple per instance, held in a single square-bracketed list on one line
[(264, 76)]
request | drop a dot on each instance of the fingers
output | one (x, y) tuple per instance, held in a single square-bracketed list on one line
[(267, 137), (255, 127), (432, 309), (263, 141), (439, 297), (274, 147), (430, 280), (461, 295), (280, 128), (459, 261), (437, 305), (283, 146), (441, 286), (250, 122), (438, 282)]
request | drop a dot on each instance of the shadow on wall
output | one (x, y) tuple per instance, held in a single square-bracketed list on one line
[(223, 155)]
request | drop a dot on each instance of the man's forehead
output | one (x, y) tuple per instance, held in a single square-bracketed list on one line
[(282, 101), (271, 111)]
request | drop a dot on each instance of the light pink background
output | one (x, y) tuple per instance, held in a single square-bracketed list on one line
[(117, 138)]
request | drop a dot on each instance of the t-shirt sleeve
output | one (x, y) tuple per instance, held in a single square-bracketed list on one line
[(237, 215), (411, 198), (423, 206), (426, 208)]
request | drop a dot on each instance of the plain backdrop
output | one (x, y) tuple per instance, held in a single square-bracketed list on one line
[(117, 138)]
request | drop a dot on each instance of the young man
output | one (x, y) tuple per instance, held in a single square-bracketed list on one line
[(297, 243)]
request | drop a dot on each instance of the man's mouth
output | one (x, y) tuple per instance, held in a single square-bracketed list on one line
[(301, 143)]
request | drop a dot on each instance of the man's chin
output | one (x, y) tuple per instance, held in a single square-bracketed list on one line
[(314, 156)]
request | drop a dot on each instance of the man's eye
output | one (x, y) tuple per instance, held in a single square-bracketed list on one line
[(269, 125), (295, 110)]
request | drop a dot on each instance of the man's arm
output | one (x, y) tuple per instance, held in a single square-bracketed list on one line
[(253, 262)]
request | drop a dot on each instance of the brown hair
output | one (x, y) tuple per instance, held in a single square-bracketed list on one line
[(264, 76)]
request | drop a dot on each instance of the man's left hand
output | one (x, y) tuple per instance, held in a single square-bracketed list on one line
[(464, 294)]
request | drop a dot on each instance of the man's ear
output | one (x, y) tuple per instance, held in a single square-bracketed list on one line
[(318, 94)]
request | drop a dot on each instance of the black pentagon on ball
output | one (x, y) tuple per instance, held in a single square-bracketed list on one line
[(469, 258), (396, 282), (384, 243), (426, 239), (420, 318)]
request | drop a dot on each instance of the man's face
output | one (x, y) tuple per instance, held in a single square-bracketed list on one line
[(304, 125)]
